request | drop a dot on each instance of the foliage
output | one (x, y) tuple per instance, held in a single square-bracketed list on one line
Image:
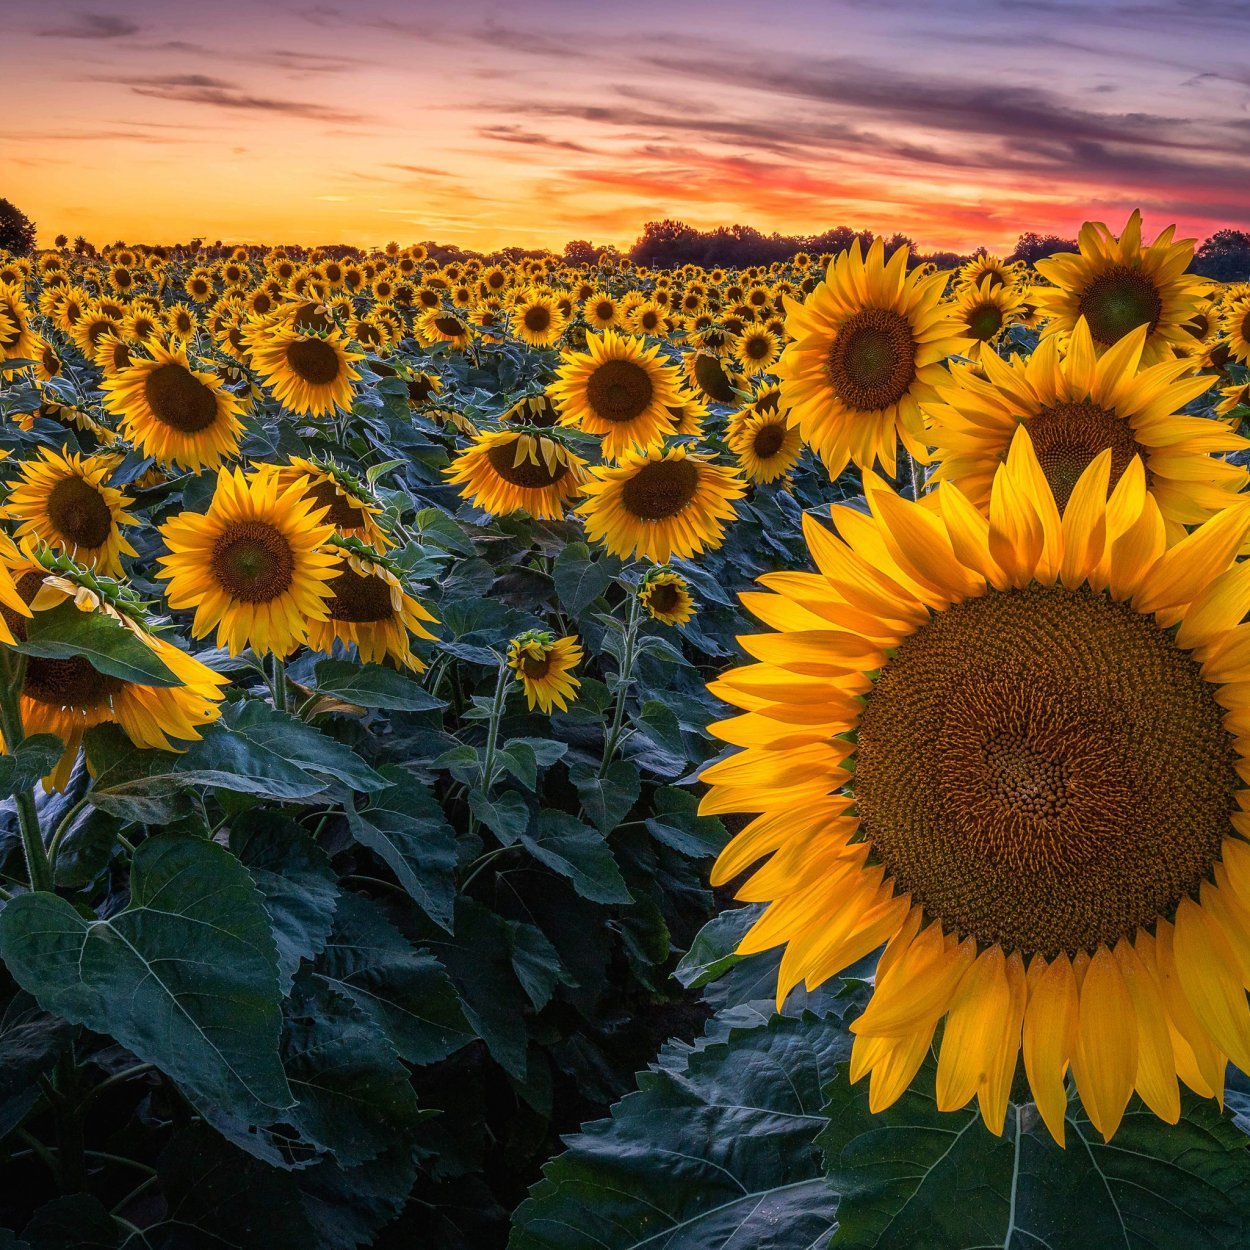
[(17, 231)]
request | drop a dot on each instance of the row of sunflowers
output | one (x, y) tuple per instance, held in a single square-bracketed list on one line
[(368, 626)]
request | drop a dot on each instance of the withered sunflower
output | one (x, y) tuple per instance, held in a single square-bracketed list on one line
[(1078, 405), (307, 374), (173, 412), (505, 472), (370, 609), (660, 504), (618, 388), (985, 742), (868, 348), (1116, 284), (544, 665), (255, 565), (62, 499)]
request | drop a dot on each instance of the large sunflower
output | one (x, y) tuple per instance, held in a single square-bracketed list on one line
[(254, 565), (308, 374), (767, 447), (173, 412), (505, 472), (1078, 405), (868, 349), (660, 504), (66, 697), (984, 742), (370, 609), (536, 319), (618, 388), (1116, 284), (61, 499)]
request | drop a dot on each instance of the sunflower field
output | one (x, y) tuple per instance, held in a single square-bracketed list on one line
[(503, 753)]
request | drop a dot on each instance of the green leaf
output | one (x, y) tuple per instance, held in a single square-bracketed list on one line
[(607, 799), (536, 963), (296, 883), (373, 686), (578, 852), (355, 1098), (519, 759), (405, 826), (405, 992), (715, 1151), (505, 815), (34, 758), (581, 580), (677, 823), (912, 1176), (31, 1040), (63, 632), (185, 975)]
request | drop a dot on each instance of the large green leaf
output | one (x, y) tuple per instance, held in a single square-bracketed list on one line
[(913, 1176), (716, 1151), (185, 975), (372, 686), (405, 826), (63, 632), (405, 992), (579, 579), (607, 799), (34, 758), (582, 854)]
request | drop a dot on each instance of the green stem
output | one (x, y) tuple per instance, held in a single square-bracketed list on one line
[(62, 829), (917, 476), (624, 680), (118, 1078), (492, 738), (12, 673), (279, 684), (482, 860)]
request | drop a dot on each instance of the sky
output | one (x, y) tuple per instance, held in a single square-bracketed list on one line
[(535, 122)]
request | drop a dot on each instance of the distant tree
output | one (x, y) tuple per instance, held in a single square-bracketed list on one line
[(580, 252), (1031, 247), (17, 231), (1225, 256)]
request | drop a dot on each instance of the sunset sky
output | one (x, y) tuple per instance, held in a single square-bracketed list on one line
[(484, 124)]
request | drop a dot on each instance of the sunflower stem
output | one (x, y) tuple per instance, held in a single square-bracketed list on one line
[(625, 678), (62, 828), (492, 737), (279, 684), (917, 476), (12, 674)]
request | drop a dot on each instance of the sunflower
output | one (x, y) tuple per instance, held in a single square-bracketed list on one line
[(983, 269), (113, 355), (1116, 284), (868, 350), (173, 412), (766, 445), (17, 339), (689, 414), (66, 697), (254, 565), (666, 597), (61, 499), (370, 609), (647, 317), (660, 504), (756, 349), (985, 743), (181, 323), (1235, 322), (536, 410), (349, 503), (984, 313), (544, 666), (536, 318), (505, 472), (49, 363), (1075, 407), (619, 388), (306, 373), (712, 376), (1233, 398), (439, 326)]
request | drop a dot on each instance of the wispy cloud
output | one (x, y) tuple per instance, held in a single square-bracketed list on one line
[(91, 26)]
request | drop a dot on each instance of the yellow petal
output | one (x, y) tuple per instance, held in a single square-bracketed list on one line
[(1207, 969), (1156, 1067), (1050, 1022), (1105, 1060)]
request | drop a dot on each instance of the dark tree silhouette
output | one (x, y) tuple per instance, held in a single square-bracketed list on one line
[(1032, 247), (580, 252), (1225, 256), (17, 231)]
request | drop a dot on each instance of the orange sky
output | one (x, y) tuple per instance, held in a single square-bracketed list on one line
[(483, 124)]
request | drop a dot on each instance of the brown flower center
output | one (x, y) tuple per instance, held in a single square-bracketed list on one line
[(343, 513), (768, 440), (313, 361), (360, 599), (985, 321), (527, 474), (179, 399), (1044, 769), (664, 597), (68, 683), (253, 562), (537, 318), (1117, 301), (872, 362), (79, 513), (619, 390), (660, 489), (1068, 436), (712, 379)]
